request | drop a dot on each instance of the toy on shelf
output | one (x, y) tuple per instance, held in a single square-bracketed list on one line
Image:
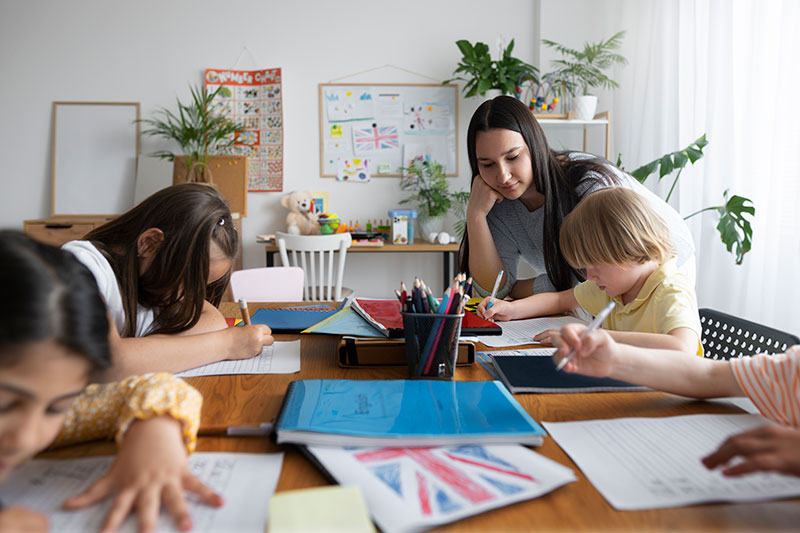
[(544, 95), (329, 223), (301, 219)]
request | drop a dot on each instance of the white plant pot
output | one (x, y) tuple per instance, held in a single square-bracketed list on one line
[(584, 107), (430, 226), (491, 93)]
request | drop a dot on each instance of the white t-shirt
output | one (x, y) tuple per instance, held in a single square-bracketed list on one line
[(91, 257)]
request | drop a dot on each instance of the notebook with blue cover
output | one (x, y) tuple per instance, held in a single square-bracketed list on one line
[(293, 319), (403, 413), (537, 373)]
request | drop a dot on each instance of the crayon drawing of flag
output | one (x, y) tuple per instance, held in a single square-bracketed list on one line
[(441, 481), (375, 138)]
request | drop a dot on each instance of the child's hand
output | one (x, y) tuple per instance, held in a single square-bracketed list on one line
[(150, 470), (767, 448), (500, 310), (547, 336), (594, 354), (247, 341), (21, 519)]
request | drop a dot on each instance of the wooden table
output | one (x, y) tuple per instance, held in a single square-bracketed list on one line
[(251, 399), (449, 254)]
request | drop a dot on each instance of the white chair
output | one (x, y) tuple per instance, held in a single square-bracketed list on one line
[(315, 255), (268, 284)]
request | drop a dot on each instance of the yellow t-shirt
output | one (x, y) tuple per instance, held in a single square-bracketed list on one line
[(107, 410), (665, 302)]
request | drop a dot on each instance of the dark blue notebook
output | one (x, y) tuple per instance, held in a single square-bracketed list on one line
[(293, 319), (532, 373)]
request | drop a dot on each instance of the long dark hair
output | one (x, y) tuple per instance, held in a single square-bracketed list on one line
[(190, 215), (49, 295), (555, 175)]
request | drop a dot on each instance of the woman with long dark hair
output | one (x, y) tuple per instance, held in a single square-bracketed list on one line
[(522, 190), (161, 268)]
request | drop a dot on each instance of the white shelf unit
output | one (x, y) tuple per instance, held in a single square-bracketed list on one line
[(600, 119)]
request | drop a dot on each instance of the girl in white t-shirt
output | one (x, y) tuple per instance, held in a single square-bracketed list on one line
[(161, 268)]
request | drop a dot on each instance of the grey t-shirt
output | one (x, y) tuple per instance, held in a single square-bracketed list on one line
[(518, 234)]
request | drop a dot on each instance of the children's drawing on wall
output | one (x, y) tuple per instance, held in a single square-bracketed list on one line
[(353, 170), (375, 137), (253, 97), (426, 118), (428, 151), (360, 122), (345, 105)]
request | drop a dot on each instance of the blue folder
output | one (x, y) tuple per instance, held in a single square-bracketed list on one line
[(293, 319), (403, 413)]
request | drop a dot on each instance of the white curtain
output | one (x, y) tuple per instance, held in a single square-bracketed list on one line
[(728, 68)]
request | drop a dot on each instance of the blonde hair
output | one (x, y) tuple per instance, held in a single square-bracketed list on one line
[(613, 226)]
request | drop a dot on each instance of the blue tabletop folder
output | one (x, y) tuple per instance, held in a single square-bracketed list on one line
[(293, 319), (403, 413)]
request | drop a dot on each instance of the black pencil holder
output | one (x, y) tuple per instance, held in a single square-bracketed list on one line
[(431, 344)]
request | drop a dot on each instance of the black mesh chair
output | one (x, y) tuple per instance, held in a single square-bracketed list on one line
[(726, 336)]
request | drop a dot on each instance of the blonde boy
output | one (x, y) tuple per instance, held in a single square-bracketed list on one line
[(624, 247)]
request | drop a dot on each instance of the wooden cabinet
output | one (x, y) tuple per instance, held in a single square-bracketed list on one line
[(57, 231)]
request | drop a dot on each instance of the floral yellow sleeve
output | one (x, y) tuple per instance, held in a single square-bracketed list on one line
[(107, 410)]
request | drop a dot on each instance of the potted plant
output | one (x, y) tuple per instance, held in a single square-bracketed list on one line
[(198, 131), (426, 178), (482, 73), (583, 69)]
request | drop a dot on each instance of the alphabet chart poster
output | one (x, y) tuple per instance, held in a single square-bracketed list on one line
[(385, 126), (253, 98)]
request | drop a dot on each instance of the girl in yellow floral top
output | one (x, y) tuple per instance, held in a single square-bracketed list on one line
[(53, 339)]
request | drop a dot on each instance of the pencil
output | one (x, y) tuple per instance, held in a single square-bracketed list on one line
[(591, 327), (245, 312), (261, 430)]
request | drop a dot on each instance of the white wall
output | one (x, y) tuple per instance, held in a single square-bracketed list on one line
[(151, 50)]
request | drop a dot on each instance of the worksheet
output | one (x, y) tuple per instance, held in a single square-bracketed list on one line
[(516, 332), (280, 358), (246, 481), (649, 463)]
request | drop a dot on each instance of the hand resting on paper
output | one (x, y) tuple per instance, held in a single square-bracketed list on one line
[(149, 469), (769, 448), (501, 310), (248, 341), (16, 518)]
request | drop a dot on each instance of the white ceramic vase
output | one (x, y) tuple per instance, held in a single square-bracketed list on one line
[(585, 107), (430, 226), (491, 93)]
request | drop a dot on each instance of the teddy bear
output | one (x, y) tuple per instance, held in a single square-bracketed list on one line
[(301, 219)]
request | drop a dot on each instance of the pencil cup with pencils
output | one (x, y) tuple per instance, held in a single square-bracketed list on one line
[(431, 344)]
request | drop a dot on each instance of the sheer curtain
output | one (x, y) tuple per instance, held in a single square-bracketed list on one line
[(729, 69)]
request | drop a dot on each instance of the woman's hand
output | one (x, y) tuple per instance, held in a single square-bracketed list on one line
[(548, 336), (767, 448), (500, 310), (15, 518), (247, 341), (150, 470), (481, 198), (594, 354)]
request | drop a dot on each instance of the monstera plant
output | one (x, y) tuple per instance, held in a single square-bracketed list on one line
[(734, 229)]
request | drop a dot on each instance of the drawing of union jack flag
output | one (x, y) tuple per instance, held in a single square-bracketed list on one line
[(375, 138), (440, 481)]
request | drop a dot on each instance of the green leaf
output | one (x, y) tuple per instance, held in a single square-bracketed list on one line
[(666, 166), (693, 154), (644, 171), (734, 229), (466, 48)]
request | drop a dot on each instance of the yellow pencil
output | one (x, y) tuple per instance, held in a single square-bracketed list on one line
[(245, 312)]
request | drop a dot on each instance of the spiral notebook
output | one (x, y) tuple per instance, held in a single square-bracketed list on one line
[(293, 319)]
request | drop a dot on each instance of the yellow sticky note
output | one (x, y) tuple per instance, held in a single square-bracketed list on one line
[(335, 508), (336, 130)]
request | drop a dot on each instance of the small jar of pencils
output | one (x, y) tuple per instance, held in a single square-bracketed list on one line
[(432, 328)]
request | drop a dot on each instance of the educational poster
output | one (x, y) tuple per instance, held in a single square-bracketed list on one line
[(386, 125), (254, 98)]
